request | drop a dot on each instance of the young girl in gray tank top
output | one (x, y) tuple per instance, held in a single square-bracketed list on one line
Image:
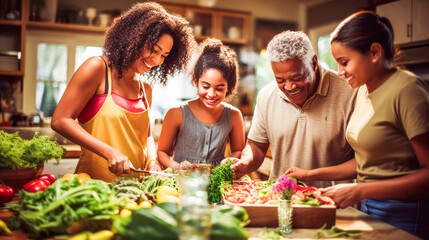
[(197, 131)]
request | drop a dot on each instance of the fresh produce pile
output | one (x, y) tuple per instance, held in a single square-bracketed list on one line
[(161, 222), (127, 208), (16, 152), (259, 192), (220, 174), (53, 210)]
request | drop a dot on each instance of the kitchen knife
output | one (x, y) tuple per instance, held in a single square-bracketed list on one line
[(153, 172)]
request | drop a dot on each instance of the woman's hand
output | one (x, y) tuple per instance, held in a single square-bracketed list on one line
[(344, 195), (119, 163), (298, 173), (239, 167)]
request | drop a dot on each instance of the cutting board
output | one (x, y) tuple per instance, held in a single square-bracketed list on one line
[(304, 216)]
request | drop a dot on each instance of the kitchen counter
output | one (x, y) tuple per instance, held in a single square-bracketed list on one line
[(73, 151), (346, 219), (349, 219)]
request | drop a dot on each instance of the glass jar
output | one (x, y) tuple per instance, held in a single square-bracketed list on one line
[(194, 222), (285, 216)]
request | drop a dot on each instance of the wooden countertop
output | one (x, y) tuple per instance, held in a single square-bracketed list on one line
[(346, 219), (349, 219), (73, 151)]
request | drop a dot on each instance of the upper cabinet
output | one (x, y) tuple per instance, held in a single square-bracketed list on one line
[(409, 18), (12, 39), (226, 25)]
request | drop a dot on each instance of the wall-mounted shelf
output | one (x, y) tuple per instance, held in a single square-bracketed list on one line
[(226, 25), (232, 27), (65, 27)]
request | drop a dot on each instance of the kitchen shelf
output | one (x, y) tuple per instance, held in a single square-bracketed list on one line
[(11, 73), (10, 22), (65, 27), (229, 26)]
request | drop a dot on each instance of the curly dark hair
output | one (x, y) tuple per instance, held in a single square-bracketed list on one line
[(141, 27), (212, 54)]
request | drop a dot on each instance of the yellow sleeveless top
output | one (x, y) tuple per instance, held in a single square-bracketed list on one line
[(123, 130)]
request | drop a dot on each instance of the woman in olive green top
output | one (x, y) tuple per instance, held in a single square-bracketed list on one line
[(389, 129)]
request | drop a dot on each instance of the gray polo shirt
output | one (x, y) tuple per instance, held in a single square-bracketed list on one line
[(311, 136)]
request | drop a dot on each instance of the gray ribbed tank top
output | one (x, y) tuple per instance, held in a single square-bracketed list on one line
[(201, 143)]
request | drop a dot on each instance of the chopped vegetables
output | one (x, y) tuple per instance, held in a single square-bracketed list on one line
[(259, 192)]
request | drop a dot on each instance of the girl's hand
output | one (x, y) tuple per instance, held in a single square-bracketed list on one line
[(155, 167), (298, 173), (119, 163), (344, 195), (239, 167), (188, 164)]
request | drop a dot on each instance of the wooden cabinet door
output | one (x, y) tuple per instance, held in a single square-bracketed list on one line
[(233, 27), (399, 14), (202, 21), (420, 20)]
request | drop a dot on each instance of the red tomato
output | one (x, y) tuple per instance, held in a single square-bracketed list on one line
[(36, 185), (48, 177), (6, 194)]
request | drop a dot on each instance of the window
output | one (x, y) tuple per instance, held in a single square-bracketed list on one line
[(52, 58), (319, 38), (51, 76), (324, 53)]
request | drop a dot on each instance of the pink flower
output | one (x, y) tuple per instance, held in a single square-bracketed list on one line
[(285, 187)]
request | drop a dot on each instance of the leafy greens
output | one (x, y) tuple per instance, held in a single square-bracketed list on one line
[(16, 152)]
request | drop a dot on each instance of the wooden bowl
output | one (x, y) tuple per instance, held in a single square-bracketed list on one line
[(17, 178)]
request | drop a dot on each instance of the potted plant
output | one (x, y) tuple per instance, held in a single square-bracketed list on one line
[(22, 160)]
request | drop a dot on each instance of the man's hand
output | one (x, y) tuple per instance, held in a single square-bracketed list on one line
[(239, 167)]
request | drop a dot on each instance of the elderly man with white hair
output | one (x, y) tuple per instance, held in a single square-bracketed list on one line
[(302, 115)]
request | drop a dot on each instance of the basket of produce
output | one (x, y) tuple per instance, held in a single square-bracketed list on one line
[(22, 160), (310, 208)]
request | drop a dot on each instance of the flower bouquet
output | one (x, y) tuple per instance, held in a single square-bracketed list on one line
[(285, 187)]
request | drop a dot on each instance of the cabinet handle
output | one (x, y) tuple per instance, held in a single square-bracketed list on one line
[(408, 30)]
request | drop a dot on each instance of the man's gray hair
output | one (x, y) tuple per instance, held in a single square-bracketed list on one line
[(290, 45)]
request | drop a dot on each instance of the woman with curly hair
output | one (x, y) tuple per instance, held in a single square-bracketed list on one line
[(111, 101), (199, 129)]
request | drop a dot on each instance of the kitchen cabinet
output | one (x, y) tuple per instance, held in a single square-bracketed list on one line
[(12, 38), (409, 18), (13, 35), (227, 25)]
